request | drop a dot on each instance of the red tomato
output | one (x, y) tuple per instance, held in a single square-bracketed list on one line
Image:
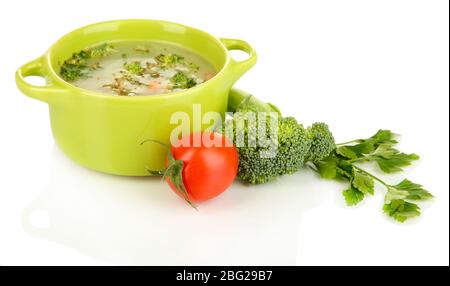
[(207, 170)]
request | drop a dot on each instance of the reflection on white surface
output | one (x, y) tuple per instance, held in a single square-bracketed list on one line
[(123, 220)]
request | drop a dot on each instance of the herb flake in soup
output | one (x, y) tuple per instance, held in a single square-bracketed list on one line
[(136, 68)]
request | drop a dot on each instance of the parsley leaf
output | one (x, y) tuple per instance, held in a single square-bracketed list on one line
[(364, 147), (327, 168), (345, 169), (401, 210), (411, 191), (363, 183), (352, 196), (384, 137), (347, 152), (391, 160)]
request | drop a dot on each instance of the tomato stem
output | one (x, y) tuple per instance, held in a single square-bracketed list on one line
[(173, 172)]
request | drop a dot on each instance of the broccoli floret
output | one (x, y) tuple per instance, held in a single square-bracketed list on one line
[(101, 51), (322, 142), (183, 81), (134, 68), (256, 165), (168, 60), (294, 144)]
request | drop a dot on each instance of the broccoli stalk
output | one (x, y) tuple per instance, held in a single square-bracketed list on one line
[(315, 147)]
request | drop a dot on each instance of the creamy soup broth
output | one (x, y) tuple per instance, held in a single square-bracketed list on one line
[(136, 68)]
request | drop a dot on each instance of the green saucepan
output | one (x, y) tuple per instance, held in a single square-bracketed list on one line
[(104, 132)]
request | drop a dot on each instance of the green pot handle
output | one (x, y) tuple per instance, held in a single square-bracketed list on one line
[(238, 68), (45, 93)]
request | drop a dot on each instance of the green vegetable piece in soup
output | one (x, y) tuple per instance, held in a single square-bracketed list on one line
[(168, 60), (134, 68), (181, 80), (78, 65)]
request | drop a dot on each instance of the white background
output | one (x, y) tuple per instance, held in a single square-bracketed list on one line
[(358, 65)]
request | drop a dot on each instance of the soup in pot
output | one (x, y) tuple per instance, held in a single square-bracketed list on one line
[(136, 68)]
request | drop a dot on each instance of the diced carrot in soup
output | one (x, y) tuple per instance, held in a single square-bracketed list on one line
[(154, 85)]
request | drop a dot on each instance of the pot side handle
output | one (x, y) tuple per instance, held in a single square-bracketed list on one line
[(238, 68), (45, 93)]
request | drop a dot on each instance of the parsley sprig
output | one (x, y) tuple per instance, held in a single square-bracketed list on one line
[(344, 164)]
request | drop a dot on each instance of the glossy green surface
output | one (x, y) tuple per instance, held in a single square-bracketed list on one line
[(103, 132)]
